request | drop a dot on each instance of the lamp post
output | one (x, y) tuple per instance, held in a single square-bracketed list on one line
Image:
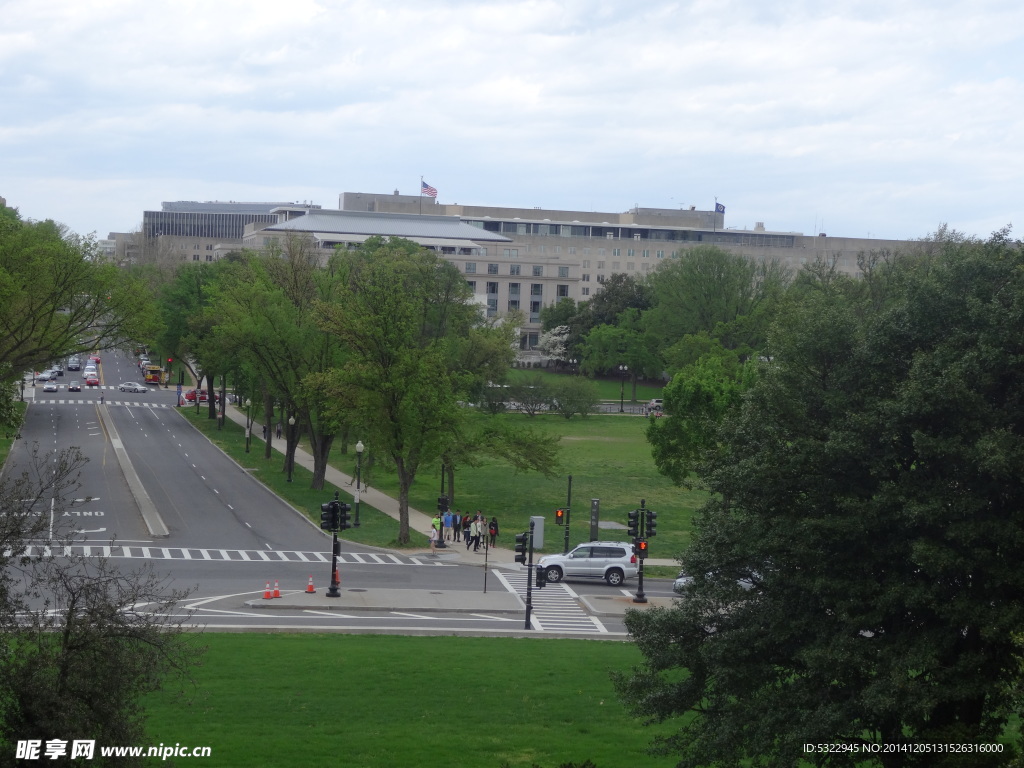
[(291, 447), (575, 365), (623, 369), (359, 472), (248, 421)]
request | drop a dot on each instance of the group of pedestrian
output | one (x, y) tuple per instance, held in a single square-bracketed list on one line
[(474, 529)]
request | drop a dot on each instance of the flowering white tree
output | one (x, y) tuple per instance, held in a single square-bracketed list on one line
[(553, 343)]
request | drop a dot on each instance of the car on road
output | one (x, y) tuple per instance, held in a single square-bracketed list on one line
[(50, 386), (75, 386), (131, 386), (74, 364), (612, 561), (95, 359), (92, 380), (682, 581), (203, 396)]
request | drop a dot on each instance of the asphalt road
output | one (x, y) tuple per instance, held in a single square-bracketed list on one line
[(229, 537)]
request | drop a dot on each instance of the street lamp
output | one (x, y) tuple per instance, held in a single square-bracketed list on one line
[(290, 448), (359, 471), (623, 369), (248, 421), (574, 363)]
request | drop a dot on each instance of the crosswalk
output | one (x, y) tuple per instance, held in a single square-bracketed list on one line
[(83, 401), (137, 552), (556, 607)]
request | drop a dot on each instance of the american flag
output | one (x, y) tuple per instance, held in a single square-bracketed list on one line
[(426, 189)]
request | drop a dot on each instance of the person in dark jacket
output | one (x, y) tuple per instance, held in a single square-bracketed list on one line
[(492, 530)]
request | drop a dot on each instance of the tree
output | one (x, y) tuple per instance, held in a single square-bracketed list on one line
[(574, 394), (81, 641), (531, 394), (696, 401), (868, 493), (57, 299), (400, 315)]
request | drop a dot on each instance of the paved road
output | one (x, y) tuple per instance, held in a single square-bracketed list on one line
[(227, 537)]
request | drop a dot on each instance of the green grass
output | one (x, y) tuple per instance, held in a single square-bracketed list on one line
[(369, 701), (608, 388), (607, 455), (609, 459)]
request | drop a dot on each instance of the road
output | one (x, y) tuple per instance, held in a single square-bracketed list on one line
[(228, 537)]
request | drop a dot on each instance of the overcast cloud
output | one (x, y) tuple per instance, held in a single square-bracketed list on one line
[(879, 119)]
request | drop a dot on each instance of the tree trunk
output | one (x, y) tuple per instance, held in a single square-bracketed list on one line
[(404, 484), (268, 421)]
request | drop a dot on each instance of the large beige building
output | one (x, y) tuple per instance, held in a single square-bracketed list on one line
[(513, 258)]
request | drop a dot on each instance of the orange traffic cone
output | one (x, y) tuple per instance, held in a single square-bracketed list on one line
[(277, 589), (266, 592), (310, 589)]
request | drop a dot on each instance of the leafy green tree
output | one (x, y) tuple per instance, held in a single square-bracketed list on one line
[(531, 395), (572, 395), (399, 316), (697, 400), (58, 299), (868, 498)]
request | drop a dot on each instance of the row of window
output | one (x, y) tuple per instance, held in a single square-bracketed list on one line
[(515, 269), (514, 289), (645, 253)]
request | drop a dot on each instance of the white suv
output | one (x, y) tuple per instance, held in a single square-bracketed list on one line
[(612, 561)]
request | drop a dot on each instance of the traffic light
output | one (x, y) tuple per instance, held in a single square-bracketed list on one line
[(541, 577), (652, 523), (169, 361), (329, 516), (343, 516), (522, 542), (559, 517), (442, 503), (633, 529), (641, 549)]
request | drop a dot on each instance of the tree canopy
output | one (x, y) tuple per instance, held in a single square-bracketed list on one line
[(856, 575)]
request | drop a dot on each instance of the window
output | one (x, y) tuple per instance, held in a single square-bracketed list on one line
[(563, 272), (615, 266), (513, 304), (600, 265), (647, 254), (492, 307), (472, 285), (470, 267), (492, 269), (534, 311), (661, 254), (600, 278), (616, 252), (536, 289), (630, 253), (513, 269), (586, 263), (209, 247), (513, 289), (585, 291), (561, 291), (585, 277), (511, 253), (492, 287), (630, 266), (538, 270), (572, 251)]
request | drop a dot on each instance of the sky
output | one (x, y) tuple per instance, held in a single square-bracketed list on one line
[(855, 118)]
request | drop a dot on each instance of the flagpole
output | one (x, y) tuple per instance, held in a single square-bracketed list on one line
[(421, 195)]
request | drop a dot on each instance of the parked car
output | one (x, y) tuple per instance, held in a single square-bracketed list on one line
[(50, 386), (92, 380), (612, 561), (75, 386), (203, 396), (131, 386)]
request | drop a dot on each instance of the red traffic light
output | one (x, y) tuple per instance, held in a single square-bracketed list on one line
[(559, 516)]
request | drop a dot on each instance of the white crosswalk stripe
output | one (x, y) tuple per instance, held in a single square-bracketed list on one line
[(133, 404), (137, 552), (555, 607)]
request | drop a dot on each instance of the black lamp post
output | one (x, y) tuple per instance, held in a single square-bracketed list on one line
[(290, 448), (359, 471), (248, 421), (623, 369)]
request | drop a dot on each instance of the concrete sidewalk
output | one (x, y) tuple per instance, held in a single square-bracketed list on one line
[(418, 521)]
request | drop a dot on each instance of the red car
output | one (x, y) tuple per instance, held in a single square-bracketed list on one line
[(203, 397), (95, 359), (92, 380)]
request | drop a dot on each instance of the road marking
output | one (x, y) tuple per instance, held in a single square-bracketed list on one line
[(196, 554)]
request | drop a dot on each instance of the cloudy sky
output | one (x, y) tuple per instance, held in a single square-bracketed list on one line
[(858, 118)]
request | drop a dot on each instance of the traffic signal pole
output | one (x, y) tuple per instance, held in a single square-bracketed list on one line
[(568, 508), (334, 516)]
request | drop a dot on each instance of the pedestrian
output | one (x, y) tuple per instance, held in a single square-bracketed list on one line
[(492, 530), (279, 430), (433, 541), (264, 432), (478, 531), (101, 398), (457, 524), (467, 530), (436, 524), (447, 520)]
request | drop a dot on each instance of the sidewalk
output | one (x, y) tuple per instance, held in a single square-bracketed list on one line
[(418, 521)]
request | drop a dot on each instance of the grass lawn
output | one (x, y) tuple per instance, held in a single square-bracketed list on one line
[(608, 388), (369, 700), (607, 455)]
